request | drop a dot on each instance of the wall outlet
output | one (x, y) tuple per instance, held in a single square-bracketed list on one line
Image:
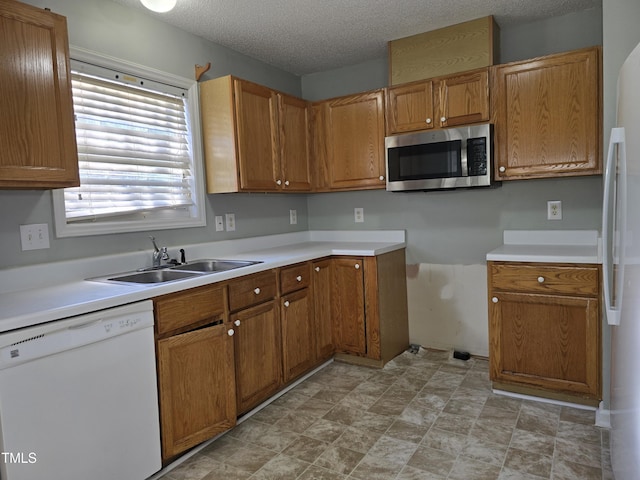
[(554, 210), (34, 236), (219, 223), (358, 214), (230, 219), (293, 217)]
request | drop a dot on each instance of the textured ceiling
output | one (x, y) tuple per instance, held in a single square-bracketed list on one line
[(306, 36)]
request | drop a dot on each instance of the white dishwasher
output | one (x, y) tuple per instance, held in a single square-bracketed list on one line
[(78, 398)]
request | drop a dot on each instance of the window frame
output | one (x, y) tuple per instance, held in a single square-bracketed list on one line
[(139, 222)]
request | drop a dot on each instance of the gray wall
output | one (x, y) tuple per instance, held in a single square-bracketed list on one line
[(112, 29), (459, 227)]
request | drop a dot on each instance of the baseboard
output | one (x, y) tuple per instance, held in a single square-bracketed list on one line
[(603, 417)]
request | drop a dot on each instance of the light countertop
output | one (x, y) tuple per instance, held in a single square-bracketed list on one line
[(552, 246), (43, 293)]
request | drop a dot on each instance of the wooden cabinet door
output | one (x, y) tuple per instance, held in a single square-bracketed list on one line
[(410, 107), (196, 380), (322, 283), (463, 99), (298, 353), (257, 136), (355, 137), (37, 133), (545, 341), (548, 116), (258, 357), (294, 143), (348, 306)]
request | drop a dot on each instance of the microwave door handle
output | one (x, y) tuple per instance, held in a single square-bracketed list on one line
[(612, 210), (464, 165)]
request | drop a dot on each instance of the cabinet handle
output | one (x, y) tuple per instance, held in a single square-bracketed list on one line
[(286, 183), (428, 121), (357, 266), (286, 303), (299, 278), (443, 119), (230, 332), (381, 178), (317, 269), (278, 182), (494, 299), (502, 169), (256, 290), (540, 279), (237, 323)]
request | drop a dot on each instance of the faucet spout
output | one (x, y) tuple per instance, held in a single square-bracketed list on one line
[(159, 254), (155, 246)]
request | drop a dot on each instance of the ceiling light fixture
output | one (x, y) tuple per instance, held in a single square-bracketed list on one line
[(160, 6)]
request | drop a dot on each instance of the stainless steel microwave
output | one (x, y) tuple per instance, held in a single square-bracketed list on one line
[(440, 159)]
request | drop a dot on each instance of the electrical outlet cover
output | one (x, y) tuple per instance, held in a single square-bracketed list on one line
[(231, 222), (554, 210)]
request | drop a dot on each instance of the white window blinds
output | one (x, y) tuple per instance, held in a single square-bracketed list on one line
[(133, 148)]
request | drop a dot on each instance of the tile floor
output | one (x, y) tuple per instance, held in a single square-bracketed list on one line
[(424, 416)]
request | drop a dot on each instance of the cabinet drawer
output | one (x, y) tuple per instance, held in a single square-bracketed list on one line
[(562, 280), (182, 309), (294, 278), (251, 290)]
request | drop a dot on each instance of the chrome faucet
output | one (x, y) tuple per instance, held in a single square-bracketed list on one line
[(159, 254)]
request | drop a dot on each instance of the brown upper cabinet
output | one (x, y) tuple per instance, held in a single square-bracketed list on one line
[(439, 102), (255, 139), (37, 133), (349, 142), (548, 116)]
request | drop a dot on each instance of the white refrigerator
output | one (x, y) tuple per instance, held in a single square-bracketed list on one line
[(621, 269)]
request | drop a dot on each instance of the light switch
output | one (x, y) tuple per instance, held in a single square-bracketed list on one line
[(34, 236)]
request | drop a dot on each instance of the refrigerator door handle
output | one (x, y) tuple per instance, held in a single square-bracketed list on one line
[(614, 169)]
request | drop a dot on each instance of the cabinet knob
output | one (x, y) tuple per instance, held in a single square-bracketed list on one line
[(443, 119), (428, 121), (317, 269), (299, 278), (286, 303), (256, 290), (357, 265), (278, 182), (381, 178), (540, 279), (494, 299), (286, 183), (230, 332), (237, 323), (502, 169)]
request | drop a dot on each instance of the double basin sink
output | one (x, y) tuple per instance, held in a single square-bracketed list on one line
[(178, 272)]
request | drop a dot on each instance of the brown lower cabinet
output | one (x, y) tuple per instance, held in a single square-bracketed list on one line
[(223, 349), (297, 322), (256, 322), (196, 376), (544, 329), (369, 308), (348, 306), (322, 274), (258, 354)]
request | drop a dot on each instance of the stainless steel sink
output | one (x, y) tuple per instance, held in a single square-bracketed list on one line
[(179, 272), (153, 276), (212, 266)]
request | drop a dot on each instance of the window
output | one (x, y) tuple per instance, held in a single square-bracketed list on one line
[(140, 168)]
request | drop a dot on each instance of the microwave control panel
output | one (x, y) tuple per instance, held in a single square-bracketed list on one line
[(477, 156)]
